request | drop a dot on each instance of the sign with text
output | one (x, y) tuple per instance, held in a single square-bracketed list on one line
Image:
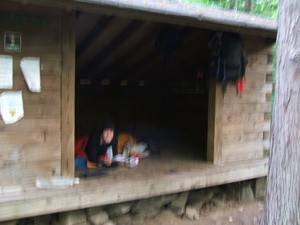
[(12, 41)]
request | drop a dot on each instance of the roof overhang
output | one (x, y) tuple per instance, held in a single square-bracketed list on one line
[(173, 13)]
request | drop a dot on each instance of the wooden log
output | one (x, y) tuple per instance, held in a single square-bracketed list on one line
[(247, 97), (241, 137), (245, 108), (27, 125), (33, 169), (237, 118), (30, 152), (21, 138), (243, 128), (245, 156)]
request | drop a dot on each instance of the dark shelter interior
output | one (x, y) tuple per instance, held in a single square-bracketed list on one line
[(150, 78)]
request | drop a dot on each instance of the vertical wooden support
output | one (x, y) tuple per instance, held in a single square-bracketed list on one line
[(215, 107), (68, 93)]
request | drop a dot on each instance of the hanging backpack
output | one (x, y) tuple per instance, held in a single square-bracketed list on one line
[(228, 59)]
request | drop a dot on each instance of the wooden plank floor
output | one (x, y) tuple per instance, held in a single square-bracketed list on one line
[(178, 168)]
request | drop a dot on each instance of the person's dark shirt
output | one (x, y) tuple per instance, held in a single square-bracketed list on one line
[(94, 150)]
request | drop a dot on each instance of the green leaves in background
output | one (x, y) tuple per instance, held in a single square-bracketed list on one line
[(267, 8)]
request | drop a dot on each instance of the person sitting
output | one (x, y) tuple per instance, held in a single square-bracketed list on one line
[(102, 146)]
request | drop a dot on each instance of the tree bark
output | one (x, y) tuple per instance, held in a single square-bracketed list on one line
[(236, 5), (248, 5), (282, 199)]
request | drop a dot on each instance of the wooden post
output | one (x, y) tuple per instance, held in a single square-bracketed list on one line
[(215, 107), (68, 94)]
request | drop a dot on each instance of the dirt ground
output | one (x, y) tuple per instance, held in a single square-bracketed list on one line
[(243, 213)]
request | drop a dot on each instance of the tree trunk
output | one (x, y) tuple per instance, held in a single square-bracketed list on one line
[(253, 4), (248, 5), (282, 203), (236, 5)]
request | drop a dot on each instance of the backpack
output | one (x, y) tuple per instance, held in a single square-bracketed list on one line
[(228, 58), (80, 145)]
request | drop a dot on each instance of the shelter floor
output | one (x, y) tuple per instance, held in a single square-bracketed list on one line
[(177, 168)]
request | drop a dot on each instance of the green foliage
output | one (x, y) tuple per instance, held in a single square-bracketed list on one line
[(267, 8)]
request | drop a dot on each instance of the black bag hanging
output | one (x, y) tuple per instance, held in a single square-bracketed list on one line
[(228, 57)]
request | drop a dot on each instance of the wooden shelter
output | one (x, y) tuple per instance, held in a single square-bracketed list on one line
[(99, 59)]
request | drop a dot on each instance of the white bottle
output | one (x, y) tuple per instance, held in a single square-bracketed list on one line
[(109, 153)]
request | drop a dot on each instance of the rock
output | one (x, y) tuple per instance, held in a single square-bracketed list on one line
[(109, 223), (153, 203), (10, 222), (199, 197), (137, 220), (42, 220), (122, 220), (98, 218), (260, 187), (151, 207), (191, 213), (247, 192), (149, 213), (233, 191), (73, 217), (219, 200), (93, 210), (167, 213), (119, 209), (178, 205)]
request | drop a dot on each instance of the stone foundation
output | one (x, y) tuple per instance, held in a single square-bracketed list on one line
[(185, 205)]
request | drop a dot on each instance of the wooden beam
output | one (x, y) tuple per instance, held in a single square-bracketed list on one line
[(68, 93), (122, 61), (173, 13), (215, 107), (114, 44), (154, 61), (92, 35), (123, 185)]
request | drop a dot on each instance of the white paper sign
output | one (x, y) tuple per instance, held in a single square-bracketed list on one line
[(11, 106), (30, 67), (6, 72)]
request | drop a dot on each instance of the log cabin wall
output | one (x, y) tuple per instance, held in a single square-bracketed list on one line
[(245, 120), (170, 100), (32, 146)]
